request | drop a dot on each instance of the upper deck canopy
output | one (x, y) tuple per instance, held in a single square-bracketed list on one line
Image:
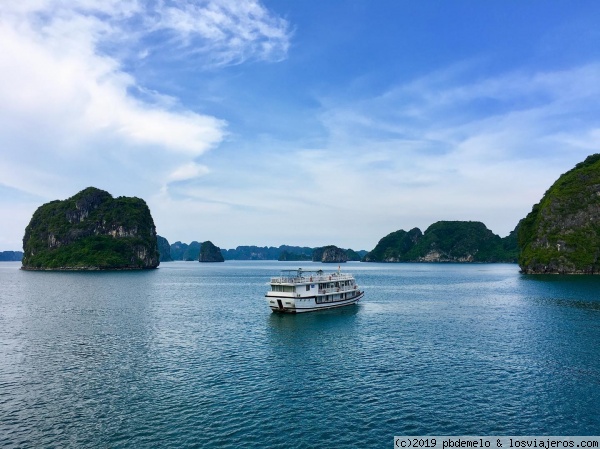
[(301, 276)]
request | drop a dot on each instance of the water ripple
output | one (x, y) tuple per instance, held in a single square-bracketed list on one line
[(190, 356)]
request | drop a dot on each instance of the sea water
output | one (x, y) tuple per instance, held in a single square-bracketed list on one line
[(190, 355)]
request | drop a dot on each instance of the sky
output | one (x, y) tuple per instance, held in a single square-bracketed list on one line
[(303, 123)]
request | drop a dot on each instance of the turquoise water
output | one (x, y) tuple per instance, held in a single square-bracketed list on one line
[(189, 355)]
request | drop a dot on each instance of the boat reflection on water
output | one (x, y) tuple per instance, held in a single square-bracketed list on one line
[(288, 326)]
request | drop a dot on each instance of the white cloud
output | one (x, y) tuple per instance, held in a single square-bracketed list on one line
[(190, 170), (64, 101), (67, 104), (58, 81)]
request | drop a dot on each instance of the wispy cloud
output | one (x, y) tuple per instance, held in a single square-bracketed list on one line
[(218, 32), (224, 31), (443, 147), (190, 170), (470, 148), (74, 116)]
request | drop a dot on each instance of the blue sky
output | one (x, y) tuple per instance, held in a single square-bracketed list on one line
[(296, 122)]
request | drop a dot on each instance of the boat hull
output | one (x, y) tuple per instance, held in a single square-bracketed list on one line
[(283, 305)]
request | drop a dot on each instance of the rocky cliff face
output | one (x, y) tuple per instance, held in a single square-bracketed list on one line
[(561, 234), (330, 254), (445, 241), (91, 231), (210, 253)]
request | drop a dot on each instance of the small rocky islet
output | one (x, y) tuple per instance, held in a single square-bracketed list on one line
[(94, 231)]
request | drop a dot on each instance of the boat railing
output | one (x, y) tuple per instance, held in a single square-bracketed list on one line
[(305, 279)]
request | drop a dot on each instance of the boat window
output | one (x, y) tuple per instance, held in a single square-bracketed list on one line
[(283, 288)]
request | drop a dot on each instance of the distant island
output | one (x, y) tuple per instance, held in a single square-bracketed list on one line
[(330, 254), (446, 241), (561, 234), (11, 256), (164, 249), (210, 253), (183, 251), (324, 254), (191, 252), (91, 231)]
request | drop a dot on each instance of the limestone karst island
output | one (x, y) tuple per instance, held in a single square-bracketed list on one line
[(94, 231), (91, 231), (561, 234)]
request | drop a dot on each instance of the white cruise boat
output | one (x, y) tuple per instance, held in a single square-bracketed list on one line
[(299, 290)]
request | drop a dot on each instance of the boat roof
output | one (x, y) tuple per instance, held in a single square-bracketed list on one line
[(300, 276), (303, 270), (300, 270)]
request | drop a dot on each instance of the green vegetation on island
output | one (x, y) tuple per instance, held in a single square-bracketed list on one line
[(210, 253), (445, 241), (91, 231), (561, 234)]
